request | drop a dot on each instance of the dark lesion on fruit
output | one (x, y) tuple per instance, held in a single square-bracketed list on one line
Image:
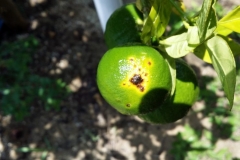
[(137, 80), (128, 105), (140, 87)]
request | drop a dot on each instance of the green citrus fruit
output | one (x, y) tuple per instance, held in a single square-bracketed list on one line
[(123, 26), (133, 79), (178, 105)]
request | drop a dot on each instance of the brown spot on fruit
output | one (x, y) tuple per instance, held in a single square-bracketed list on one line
[(136, 79), (128, 105), (149, 63), (131, 59), (140, 87)]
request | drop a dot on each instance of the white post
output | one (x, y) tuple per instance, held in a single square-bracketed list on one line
[(105, 8)]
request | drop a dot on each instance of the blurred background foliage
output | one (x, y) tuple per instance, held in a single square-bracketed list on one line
[(19, 87), (201, 142)]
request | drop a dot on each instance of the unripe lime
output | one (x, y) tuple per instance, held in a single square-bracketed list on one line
[(178, 105), (123, 26), (134, 79)]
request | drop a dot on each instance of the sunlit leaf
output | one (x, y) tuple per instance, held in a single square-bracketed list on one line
[(202, 53), (223, 30), (177, 46), (231, 22), (207, 20), (192, 36), (224, 64)]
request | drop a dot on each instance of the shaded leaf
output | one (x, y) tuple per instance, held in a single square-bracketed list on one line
[(157, 21), (179, 9), (144, 6), (235, 47), (172, 68)]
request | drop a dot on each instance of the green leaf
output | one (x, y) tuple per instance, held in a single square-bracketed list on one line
[(172, 67), (202, 53), (144, 6), (207, 20), (177, 46), (235, 47), (157, 21), (192, 36), (222, 30), (224, 64), (230, 22)]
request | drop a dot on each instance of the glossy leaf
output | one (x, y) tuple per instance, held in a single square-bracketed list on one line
[(202, 52), (192, 36), (223, 30), (207, 20), (230, 22), (224, 64), (177, 46)]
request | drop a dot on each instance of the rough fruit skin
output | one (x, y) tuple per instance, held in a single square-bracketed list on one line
[(123, 26), (177, 106), (133, 79)]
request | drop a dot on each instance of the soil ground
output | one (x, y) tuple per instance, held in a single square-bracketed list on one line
[(86, 127)]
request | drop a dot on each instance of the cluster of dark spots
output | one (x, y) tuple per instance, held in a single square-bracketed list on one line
[(136, 79)]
